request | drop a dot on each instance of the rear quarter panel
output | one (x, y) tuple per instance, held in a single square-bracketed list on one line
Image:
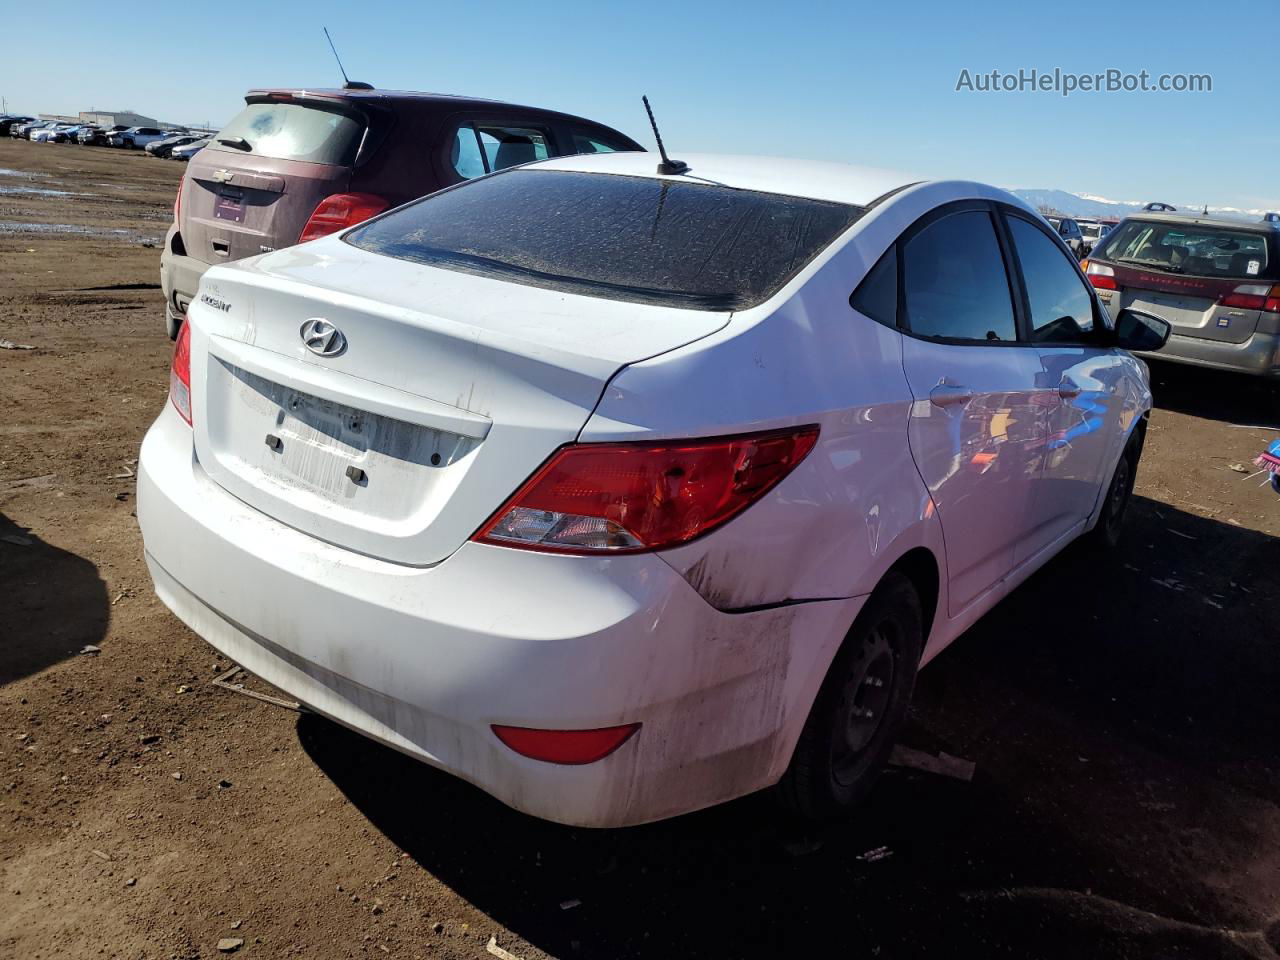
[(856, 504)]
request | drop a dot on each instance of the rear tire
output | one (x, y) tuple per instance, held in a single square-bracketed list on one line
[(860, 707)]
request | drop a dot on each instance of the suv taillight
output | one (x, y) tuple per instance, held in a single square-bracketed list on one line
[(177, 203), (339, 211), (1254, 296), (1101, 276), (180, 373), (599, 498)]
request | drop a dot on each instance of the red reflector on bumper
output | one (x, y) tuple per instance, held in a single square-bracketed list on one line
[(565, 746)]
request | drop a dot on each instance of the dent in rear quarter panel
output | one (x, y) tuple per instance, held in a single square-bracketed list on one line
[(856, 503)]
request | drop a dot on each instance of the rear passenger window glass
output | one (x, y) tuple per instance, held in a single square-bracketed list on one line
[(1061, 306), (294, 131), (466, 159), (511, 146), (877, 294), (955, 284)]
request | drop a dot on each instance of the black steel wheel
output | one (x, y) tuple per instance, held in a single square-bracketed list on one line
[(860, 707)]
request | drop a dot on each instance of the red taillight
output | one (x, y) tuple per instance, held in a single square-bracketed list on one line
[(1254, 296), (565, 746), (339, 211), (632, 497), (180, 372), (1102, 277)]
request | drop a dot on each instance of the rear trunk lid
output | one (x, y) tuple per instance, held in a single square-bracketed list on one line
[(1193, 305), (443, 393), (254, 187)]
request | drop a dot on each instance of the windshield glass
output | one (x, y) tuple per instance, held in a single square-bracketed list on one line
[(679, 243), (294, 131), (1201, 249)]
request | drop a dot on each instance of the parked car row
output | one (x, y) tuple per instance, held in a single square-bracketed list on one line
[(157, 142)]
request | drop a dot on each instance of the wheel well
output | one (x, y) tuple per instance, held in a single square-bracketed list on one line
[(920, 567)]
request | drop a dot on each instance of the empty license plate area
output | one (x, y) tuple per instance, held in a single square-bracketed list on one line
[(229, 205), (312, 451)]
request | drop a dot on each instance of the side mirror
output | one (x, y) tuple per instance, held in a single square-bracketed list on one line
[(1138, 330)]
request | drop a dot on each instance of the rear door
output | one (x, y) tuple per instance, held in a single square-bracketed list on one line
[(977, 426), (254, 187), (1083, 383)]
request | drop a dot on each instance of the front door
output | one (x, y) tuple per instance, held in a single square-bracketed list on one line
[(977, 427), (1082, 379)]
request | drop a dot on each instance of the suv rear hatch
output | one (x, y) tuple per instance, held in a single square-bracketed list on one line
[(256, 184), (1208, 279)]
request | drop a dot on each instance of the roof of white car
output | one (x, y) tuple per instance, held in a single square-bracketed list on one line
[(819, 180)]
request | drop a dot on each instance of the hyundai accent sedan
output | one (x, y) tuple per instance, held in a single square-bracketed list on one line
[(621, 494)]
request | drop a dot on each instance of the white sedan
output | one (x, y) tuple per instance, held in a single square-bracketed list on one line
[(54, 134), (620, 493)]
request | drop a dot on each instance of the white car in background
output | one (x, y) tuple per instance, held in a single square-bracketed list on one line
[(57, 133), (137, 137), (190, 150), (620, 493)]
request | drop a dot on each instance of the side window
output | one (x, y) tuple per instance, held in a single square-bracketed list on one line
[(954, 281), (465, 155), (877, 294), (511, 146), (586, 143), (1061, 306), (481, 148)]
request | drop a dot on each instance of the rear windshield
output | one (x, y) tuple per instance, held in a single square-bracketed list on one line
[(294, 131), (1199, 249), (678, 243)]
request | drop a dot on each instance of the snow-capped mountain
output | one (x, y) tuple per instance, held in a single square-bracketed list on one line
[(1087, 205)]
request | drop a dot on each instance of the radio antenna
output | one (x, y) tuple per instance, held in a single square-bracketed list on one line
[(668, 166), (346, 83)]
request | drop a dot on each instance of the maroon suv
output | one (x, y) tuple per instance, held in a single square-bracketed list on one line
[(298, 164)]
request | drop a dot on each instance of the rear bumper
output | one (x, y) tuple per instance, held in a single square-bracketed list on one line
[(179, 275), (426, 659), (1257, 355)]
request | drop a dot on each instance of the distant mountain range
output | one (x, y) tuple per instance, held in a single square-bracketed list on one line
[(1084, 205)]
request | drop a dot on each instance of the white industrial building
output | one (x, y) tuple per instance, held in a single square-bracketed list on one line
[(111, 118)]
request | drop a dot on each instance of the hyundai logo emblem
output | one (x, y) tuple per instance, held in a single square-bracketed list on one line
[(322, 337)]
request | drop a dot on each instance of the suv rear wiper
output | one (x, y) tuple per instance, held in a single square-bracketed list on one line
[(1152, 264), (240, 143)]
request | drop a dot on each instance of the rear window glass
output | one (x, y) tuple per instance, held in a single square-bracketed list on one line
[(678, 243), (1200, 249), (294, 131)]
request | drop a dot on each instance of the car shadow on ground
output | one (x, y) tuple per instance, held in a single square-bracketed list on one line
[(1231, 398), (1121, 712), (52, 603)]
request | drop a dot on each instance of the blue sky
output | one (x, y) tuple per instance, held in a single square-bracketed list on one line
[(861, 83)]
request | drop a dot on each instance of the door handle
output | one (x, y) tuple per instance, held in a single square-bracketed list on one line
[(1068, 390), (950, 395)]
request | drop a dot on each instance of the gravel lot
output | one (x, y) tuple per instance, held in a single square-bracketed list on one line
[(1123, 714)]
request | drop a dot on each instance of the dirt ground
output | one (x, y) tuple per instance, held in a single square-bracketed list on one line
[(1122, 713)]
